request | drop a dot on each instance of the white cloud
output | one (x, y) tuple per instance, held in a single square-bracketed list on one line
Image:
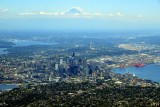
[(73, 12), (3, 10), (119, 14), (42, 13), (115, 14)]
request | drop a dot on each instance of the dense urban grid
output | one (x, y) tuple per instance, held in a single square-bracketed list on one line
[(78, 71)]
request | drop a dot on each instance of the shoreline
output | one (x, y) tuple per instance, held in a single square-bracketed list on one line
[(139, 72), (8, 87)]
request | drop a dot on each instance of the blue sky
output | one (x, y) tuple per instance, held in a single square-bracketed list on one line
[(79, 14)]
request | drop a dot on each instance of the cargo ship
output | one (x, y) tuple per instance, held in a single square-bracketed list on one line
[(139, 65)]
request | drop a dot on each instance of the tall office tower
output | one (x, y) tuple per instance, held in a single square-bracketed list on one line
[(61, 60), (90, 71), (97, 68), (85, 63), (74, 70), (67, 60), (24, 64), (75, 62), (56, 67), (80, 62), (61, 70), (73, 55), (101, 74), (51, 77)]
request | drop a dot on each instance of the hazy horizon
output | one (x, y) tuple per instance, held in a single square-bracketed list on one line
[(73, 15)]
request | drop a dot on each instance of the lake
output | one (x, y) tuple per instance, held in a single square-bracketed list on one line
[(7, 87), (150, 72)]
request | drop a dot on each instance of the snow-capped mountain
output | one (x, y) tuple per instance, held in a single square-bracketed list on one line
[(75, 11)]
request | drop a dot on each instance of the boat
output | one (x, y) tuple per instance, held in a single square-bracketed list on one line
[(139, 65)]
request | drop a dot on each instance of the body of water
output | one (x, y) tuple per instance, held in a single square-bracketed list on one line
[(7, 87), (28, 43), (150, 72), (2, 51), (25, 43)]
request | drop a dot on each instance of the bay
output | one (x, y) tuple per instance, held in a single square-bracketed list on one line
[(25, 43), (150, 72), (7, 86), (30, 42)]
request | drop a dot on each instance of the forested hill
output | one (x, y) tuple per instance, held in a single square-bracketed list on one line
[(106, 94)]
